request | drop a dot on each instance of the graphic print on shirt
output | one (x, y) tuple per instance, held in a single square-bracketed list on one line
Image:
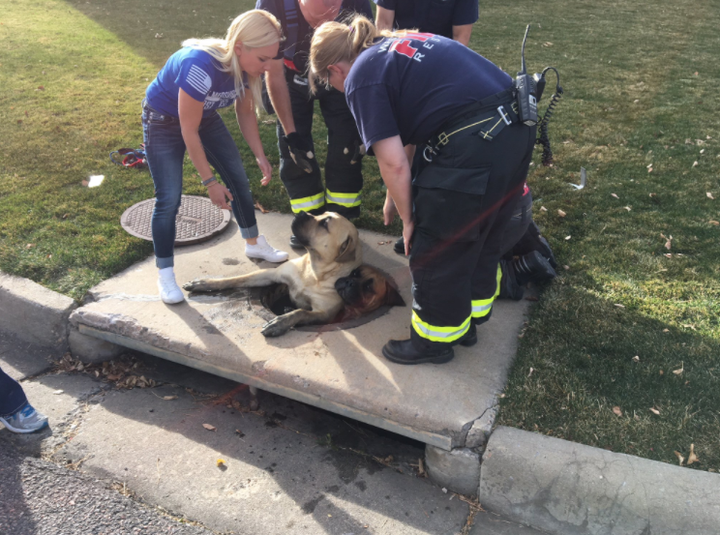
[(404, 45), (201, 82)]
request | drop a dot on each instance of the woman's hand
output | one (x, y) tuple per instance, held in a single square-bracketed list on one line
[(408, 229), (219, 195), (389, 210), (265, 169)]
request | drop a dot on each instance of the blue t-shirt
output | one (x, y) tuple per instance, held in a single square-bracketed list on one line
[(305, 32), (432, 16), (410, 86), (199, 75)]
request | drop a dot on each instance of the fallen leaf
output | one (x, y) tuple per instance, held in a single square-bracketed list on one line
[(169, 398), (655, 411), (209, 427), (617, 411), (56, 392), (260, 207), (566, 268), (561, 213), (567, 238), (680, 370), (695, 163), (652, 195), (220, 463), (710, 195), (628, 208), (543, 209), (666, 330), (636, 358), (614, 195), (681, 459), (619, 305), (692, 458), (531, 371), (668, 243), (713, 222)]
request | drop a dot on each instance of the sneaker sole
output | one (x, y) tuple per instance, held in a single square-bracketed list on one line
[(268, 260), (16, 430), (437, 359)]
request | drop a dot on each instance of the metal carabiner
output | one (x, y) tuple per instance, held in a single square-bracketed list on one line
[(425, 153)]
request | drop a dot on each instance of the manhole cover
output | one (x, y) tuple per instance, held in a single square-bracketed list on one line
[(198, 220)]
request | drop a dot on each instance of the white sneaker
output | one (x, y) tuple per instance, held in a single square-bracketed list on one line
[(170, 292), (262, 249), (25, 420)]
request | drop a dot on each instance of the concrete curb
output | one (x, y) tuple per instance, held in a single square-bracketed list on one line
[(34, 313), (569, 488)]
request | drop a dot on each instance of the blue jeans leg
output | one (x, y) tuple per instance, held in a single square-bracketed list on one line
[(165, 151), (12, 396), (224, 156)]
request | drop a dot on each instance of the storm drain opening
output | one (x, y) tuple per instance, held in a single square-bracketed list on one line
[(275, 300)]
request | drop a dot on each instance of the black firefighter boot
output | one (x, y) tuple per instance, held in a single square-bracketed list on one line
[(417, 351), (509, 287), (532, 267)]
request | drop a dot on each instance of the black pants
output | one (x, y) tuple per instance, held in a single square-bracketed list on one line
[(343, 179), (459, 232)]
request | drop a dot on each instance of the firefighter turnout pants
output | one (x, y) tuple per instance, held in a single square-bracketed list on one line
[(463, 200), (343, 167)]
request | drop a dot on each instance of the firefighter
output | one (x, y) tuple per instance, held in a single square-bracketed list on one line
[(458, 109), (290, 97)]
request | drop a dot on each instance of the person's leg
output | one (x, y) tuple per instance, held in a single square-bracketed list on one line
[(222, 153), (343, 167), (305, 190), (16, 413), (165, 151), (12, 396)]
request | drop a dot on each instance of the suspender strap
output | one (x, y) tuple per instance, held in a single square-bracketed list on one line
[(290, 24)]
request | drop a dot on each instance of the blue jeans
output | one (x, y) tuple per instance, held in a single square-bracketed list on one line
[(12, 396), (165, 151)]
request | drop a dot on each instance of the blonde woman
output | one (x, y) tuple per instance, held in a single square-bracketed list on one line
[(456, 107), (180, 113)]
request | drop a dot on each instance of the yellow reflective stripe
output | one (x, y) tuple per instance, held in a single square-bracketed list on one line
[(482, 307), (438, 334), (307, 203), (498, 279), (343, 199)]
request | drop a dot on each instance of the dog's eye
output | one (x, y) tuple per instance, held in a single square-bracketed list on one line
[(324, 222), (356, 274), (368, 285)]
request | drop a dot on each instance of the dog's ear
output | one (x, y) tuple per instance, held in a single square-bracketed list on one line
[(392, 296), (347, 251)]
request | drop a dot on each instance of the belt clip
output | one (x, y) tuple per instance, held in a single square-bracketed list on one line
[(443, 139), (503, 115), (428, 148)]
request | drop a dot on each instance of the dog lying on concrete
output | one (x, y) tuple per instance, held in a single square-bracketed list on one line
[(333, 252)]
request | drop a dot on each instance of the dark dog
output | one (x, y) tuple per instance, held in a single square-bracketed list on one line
[(365, 290)]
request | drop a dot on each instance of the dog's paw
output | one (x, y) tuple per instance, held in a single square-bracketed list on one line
[(198, 285), (276, 327)]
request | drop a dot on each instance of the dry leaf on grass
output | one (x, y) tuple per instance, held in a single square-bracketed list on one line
[(680, 370), (209, 427), (692, 458), (710, 195), (617, 411), (543, 209), (614, 195), (561, 213), (628, 208), (567, 238), (636, 358), (655, 411), (716, 223), (260, 207), (681, 459), (619, 305)]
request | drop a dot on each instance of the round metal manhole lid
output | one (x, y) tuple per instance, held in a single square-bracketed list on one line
[(197, 220)]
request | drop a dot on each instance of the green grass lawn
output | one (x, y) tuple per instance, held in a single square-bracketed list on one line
[(638, 246)]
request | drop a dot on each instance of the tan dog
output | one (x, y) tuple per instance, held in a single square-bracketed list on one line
[(333, 251), (365, 290)]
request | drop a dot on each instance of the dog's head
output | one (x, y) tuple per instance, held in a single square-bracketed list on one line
[(366, 289), (329, 238)]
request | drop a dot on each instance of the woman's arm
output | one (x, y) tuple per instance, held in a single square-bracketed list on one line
[(247, 121), (395, 170), (190, 111), (280, 95)]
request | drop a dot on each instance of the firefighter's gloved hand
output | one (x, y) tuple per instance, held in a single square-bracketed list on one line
[(300, 151), (358, 152)]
